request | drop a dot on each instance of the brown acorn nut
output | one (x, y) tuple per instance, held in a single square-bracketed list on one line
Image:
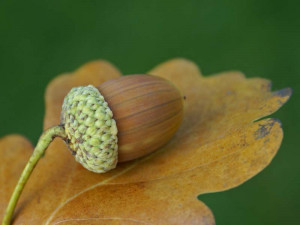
[(147, 109)]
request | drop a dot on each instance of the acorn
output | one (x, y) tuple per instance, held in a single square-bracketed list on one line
[(120, 120)]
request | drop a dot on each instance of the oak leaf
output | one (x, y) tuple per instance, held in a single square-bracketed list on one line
[(220, 145)]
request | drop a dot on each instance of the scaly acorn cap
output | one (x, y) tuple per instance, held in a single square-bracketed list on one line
[(90, 128)]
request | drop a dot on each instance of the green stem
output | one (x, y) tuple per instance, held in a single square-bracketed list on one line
[(43, 143)]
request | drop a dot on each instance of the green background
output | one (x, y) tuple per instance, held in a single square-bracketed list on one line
[(40, 39)]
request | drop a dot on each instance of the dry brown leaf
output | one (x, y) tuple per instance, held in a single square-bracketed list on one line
[(218, 146)]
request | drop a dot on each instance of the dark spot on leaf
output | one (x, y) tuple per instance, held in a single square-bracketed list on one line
[(264, 129)]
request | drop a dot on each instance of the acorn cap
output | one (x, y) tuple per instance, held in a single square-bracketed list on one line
[(91, 129)]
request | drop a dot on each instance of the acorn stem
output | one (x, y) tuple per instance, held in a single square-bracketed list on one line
[(43, 143)]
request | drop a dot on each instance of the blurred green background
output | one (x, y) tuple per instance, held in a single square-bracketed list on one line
[(40, 39)]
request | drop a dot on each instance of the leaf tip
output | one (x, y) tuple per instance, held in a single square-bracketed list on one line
[(286, 92)]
